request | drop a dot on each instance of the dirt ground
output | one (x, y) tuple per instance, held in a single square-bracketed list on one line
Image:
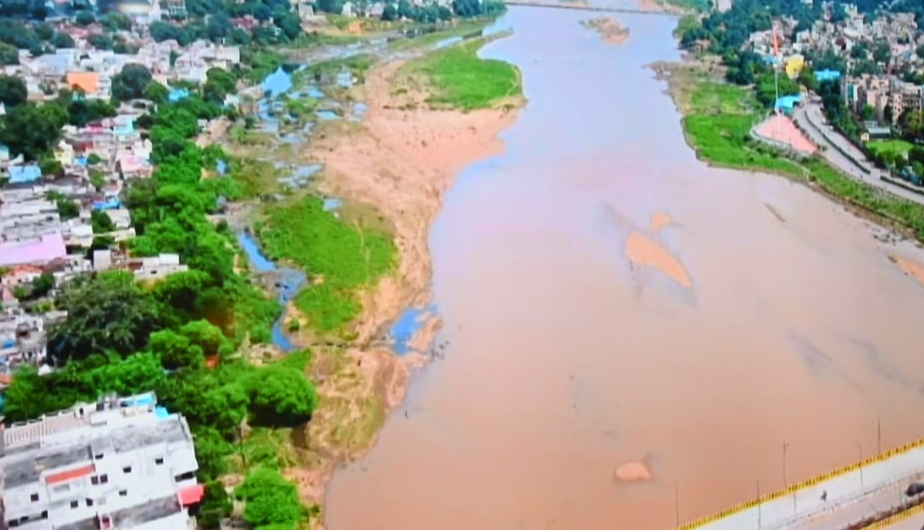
[(401, 159)]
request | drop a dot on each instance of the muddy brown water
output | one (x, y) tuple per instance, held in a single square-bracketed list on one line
[(566, 361)]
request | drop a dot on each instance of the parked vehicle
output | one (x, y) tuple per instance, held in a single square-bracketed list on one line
[(915, 488)]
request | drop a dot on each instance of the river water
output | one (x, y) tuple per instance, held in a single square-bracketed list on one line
[(566, 361)]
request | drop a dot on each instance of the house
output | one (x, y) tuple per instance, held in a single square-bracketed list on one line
[(132, 166), (38, 251), (22, 338), (793, 65), (24, 174), (158, 267), (20, 275), (123, 463), (92, 84)]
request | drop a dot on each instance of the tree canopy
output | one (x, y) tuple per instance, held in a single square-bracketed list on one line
[(269, 499), (130, 82), (109, 312), (12, 90)]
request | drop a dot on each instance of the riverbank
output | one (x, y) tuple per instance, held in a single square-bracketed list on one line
[(717, 119), (422, 126)]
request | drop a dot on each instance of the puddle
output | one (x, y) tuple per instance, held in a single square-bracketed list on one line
[(409, 324), (257, 259), (327, 115), (278, 82), (360, 108), (221, 167), (315, 93), (448, 42), (344, 79), (332, 203)]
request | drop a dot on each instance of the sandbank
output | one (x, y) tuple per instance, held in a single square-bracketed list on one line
[(909, 267), (609, 29), (642, 250), (401, 160)]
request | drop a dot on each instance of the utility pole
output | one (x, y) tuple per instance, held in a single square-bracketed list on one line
[(860, 452), (879, 435), (785, 482)]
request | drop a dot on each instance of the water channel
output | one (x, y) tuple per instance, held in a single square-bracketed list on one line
[(566, 361)]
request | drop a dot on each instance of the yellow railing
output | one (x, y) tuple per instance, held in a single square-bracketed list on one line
[(802, 485)]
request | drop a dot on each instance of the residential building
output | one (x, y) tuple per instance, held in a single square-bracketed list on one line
[(157, 267), (117, 464), (22, 338)]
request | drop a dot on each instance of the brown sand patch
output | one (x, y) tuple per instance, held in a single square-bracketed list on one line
[(909, 267), (610, 30), (780, 128), (644, 251), (658, 221), (633, 472), (402, 159)]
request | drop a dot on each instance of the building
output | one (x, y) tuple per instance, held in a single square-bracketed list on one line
[(904, 97), (157, 267), (117, 464), (22, 339)]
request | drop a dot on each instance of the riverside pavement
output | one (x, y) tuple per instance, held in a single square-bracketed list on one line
[(832, 503)]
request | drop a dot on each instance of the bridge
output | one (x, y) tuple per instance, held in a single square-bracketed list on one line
[(868, 495), (583, 6)]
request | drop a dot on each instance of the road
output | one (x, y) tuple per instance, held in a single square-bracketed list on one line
[(809, 116), (878, 501)]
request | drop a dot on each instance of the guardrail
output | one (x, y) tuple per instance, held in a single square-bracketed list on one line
[(697, 523)]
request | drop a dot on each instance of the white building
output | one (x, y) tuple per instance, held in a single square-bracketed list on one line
[(118, 464)]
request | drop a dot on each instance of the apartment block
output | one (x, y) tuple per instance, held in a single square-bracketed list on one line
[(117, 464)]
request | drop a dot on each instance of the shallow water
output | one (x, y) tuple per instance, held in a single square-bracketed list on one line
[(566, 361)]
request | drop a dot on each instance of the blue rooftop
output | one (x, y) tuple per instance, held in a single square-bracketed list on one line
[(23, 174), (109, 204), (827, 75), (177, 94), (161, 413), (786, 103)]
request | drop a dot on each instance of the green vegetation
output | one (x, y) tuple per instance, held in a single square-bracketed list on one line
[(718, 125), (339, 258), (462, 29), (896, 147), (717, 122), (458, 78), (357, 65), (270, 500)]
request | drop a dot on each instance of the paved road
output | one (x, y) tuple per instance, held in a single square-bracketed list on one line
[(809, 116), (879, 501)]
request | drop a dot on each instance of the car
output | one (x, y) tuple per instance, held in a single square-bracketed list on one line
[(915, 488)]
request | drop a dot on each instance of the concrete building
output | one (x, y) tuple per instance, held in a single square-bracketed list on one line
[(158, 267), (118, 464)]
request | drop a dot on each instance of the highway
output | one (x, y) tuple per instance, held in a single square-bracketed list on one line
[(809, 116)]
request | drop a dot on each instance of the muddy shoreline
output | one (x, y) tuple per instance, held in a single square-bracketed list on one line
[(400, 160)]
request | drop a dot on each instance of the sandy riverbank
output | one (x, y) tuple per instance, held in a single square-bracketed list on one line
[(401, 160), (609, 29)]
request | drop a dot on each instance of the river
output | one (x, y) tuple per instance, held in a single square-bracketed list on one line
[(566, 361)]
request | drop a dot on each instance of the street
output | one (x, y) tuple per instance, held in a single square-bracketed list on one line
[(809, 116)]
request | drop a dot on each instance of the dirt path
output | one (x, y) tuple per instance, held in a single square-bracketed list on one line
[(401, 162)]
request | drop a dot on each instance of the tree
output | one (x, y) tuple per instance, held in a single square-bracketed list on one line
[(107, 312), (281, 396), (43, 31), (84, 18), (101, 41), (43, 284), (67, 208), (328, 6), (32, 130), (882, 53), (175, 350), (868, 112), (920, 51), (8, 54), (216, 505), (390, 12), (270, 499), (156, 92), (206, 336), (82, 111), (12, 90), (116, 21), (62, 40), (130, 82), (161, 31), (101, 222)]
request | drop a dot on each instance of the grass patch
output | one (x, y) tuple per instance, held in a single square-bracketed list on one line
[(685, 24), (718, 123), (264, 447), (718, 127), (463, 29), (458, 78), (357, 65), (254, 177), (262, 62), (339, 257), (896, 146)]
